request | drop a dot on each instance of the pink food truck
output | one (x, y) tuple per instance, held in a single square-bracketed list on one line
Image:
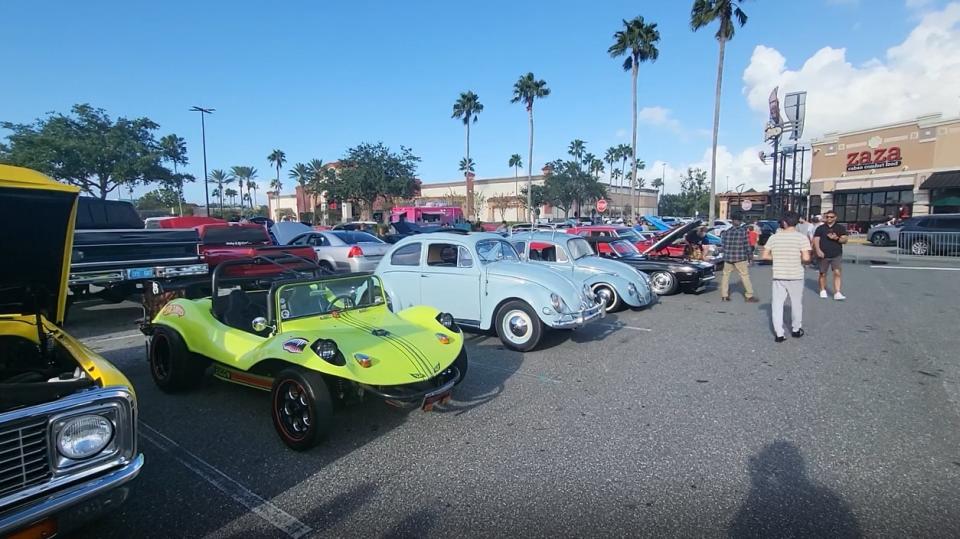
[(434, 215)]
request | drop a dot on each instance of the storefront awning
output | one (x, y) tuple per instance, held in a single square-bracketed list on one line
[(940, 180)]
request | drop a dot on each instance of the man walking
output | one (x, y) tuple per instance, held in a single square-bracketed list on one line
[(828, 243), (789, 250), (736, 255)]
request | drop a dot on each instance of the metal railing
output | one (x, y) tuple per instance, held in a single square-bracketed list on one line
[(922, 243)]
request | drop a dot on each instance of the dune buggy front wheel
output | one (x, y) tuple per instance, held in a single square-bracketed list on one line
[(302, 410)]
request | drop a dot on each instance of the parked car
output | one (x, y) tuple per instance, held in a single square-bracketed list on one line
[(338, 250), (480, 280), (365, 226), (667, 275), (613, 231), (309, 341), (937, 235), (68, 418), (883, 234), (616, 284), (220, 242)]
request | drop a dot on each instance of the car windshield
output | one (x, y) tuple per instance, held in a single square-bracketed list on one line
[(313, 298), (493, 250), (579, 248), (628, 234), (624, 248), (355, 237)]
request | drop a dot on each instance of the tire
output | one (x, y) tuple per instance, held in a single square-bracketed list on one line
[(173, 367), (880, 239), (611, 299), (325, 266), (461, 364), (518, 326), (301, 408), (663, 283), (919, 247)]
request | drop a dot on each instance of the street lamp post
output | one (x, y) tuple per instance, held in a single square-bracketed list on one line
[(203, 130)]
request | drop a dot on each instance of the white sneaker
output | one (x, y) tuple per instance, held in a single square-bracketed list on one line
[(823, 294), (838, 296)]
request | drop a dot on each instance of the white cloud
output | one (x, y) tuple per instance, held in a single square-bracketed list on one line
[(919, 76), (743, 167), (663, 118)]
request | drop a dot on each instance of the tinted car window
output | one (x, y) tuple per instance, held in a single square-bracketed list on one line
[(354, 237), (94, 213), (408, 255), (442, 255), (235, 235)]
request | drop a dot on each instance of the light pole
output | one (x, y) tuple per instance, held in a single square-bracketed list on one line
[(203, 130)]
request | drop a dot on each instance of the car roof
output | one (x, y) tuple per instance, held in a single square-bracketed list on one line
[(543, 235), (468, 239)]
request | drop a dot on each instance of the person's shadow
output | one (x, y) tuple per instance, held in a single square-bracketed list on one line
[(784, 502)]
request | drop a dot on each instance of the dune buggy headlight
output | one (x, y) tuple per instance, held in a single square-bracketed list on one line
[(84, 436), (446, 320), (328, 351)]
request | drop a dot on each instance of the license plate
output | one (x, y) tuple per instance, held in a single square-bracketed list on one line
[(431, 400), (140, 273)]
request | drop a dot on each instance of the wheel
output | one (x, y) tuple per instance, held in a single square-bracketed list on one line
[(461, 364), (173, 367), (518, 326), (880, 239), (611, 300), (920, 247), (326, 266), (663, 283), (302, 410)]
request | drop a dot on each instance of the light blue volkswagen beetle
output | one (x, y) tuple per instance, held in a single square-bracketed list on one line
[(615, 283), (480, 280)]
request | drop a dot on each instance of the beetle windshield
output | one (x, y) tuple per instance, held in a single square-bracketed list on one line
[(493, 250), (624, 248), (312, 298), (579, 248)]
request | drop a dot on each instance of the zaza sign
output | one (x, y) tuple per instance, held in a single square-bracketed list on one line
[(873, 159)]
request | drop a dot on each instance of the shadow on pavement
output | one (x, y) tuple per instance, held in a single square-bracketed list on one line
[(488, 369), (416, 524), (784, 502)]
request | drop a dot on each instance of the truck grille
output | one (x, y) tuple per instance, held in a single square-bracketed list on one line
[(23, 455)]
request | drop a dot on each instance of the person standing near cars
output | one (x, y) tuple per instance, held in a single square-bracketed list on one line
[(828, 243), (789, 250), (736, 255)]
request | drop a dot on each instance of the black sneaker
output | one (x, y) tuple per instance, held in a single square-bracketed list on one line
[(779, 339), (798, 333)]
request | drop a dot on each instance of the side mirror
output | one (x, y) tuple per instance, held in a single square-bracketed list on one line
[(259, 324)]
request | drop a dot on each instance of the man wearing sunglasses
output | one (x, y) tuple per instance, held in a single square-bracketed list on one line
[(828, 245)]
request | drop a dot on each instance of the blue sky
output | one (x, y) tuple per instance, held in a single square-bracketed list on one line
[(313, 78)]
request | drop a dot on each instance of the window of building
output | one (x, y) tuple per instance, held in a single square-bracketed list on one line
[(866, 209)]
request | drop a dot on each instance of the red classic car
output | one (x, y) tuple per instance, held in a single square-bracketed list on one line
[(642, 240), (220, 242)]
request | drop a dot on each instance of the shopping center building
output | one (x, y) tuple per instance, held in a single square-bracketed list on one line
[(901, 169)]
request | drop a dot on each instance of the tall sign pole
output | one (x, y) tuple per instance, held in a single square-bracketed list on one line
[(203, 130)]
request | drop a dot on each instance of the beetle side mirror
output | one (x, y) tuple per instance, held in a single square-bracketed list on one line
[(259, 324)]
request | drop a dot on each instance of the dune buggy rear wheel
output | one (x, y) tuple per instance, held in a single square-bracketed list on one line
[(173, 367), (301, 408)]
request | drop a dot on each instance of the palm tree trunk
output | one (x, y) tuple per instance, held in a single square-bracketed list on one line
[(716, 129), (633, 177), (466, 176), (530, 167)]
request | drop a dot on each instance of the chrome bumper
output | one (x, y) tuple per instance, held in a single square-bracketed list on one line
[(63, 500), (573, 320), (107, 276)]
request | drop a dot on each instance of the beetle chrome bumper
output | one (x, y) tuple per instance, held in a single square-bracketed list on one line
[(573, 320), (74, 505)]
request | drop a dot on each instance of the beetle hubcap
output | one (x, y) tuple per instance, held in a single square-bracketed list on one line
[(605, 296), (293, 409), (517, 325)]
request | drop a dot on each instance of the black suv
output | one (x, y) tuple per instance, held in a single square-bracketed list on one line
[(937, 235)]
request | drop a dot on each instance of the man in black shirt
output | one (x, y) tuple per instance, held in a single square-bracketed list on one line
[(828, 243)]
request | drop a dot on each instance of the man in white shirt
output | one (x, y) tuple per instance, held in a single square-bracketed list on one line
[(789, 250)]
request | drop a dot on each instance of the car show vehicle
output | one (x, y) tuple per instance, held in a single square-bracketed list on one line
[(617, 285), (310, 339), (480, 279), (613, 231), (68, 418), (221, 242), (667, 275), (113, 252), (338, 250)]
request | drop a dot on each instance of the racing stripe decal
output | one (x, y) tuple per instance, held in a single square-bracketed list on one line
[(416, 358), (410, 347)]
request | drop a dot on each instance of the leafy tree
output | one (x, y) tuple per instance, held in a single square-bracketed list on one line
[(371, 172), (526, 90), (694, 196), (502, 202), (174, 150), (673, 204), (88, 149), (466, 108), (277, 158), (725, 12), (479, 203), (219, 178), (568, 186), (638, 40), (163, 198), (532, 198)]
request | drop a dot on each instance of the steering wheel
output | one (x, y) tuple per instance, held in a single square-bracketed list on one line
[(346, 299)]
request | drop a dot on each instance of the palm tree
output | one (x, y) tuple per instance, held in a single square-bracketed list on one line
[(466, 164), (515, 163), (174, 150), (231, 194), (596, 167), (576, 150), (301, 174), (657, 183), (277, 158), (246, 197), (252, 187), (527, 89), (610, 157), (243, 174), (703, 13), (220, 178), (466, 108), (638, 40), (625, 152), (276, 185)]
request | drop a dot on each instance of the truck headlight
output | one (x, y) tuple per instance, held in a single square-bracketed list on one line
[(84, 436)]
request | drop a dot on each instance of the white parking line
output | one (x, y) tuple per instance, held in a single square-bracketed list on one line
[(624, 326), (92, 342), (916, 268), (275, 516)]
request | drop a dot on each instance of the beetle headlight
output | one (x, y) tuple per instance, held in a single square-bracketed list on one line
[(84, 436), (557, 302), (632, 289)]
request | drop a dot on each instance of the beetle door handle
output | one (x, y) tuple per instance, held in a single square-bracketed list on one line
[(424, 275)]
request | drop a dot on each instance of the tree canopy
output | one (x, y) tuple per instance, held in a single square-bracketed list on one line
[(88, 149), (163, 198), (369, 172)]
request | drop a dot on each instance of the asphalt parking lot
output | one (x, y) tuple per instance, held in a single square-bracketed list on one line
[(684, 419)]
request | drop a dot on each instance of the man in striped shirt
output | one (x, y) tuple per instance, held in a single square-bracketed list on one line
[(789, 250)]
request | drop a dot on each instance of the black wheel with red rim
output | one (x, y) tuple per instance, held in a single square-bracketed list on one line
[(302, 410)]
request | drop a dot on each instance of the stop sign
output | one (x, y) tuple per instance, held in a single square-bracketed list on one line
[(601, 205)]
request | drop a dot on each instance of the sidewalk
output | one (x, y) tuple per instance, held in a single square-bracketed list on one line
[(858, 253)]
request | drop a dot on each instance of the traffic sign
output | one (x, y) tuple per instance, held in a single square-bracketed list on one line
[(746, 205), (601, 205)]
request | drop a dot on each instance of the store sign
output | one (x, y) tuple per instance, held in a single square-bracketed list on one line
[(874, 159)]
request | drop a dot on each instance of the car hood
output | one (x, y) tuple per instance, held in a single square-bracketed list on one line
[(671, 236), (541, 275), (37, 241), (286, 231), (605, 265)]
